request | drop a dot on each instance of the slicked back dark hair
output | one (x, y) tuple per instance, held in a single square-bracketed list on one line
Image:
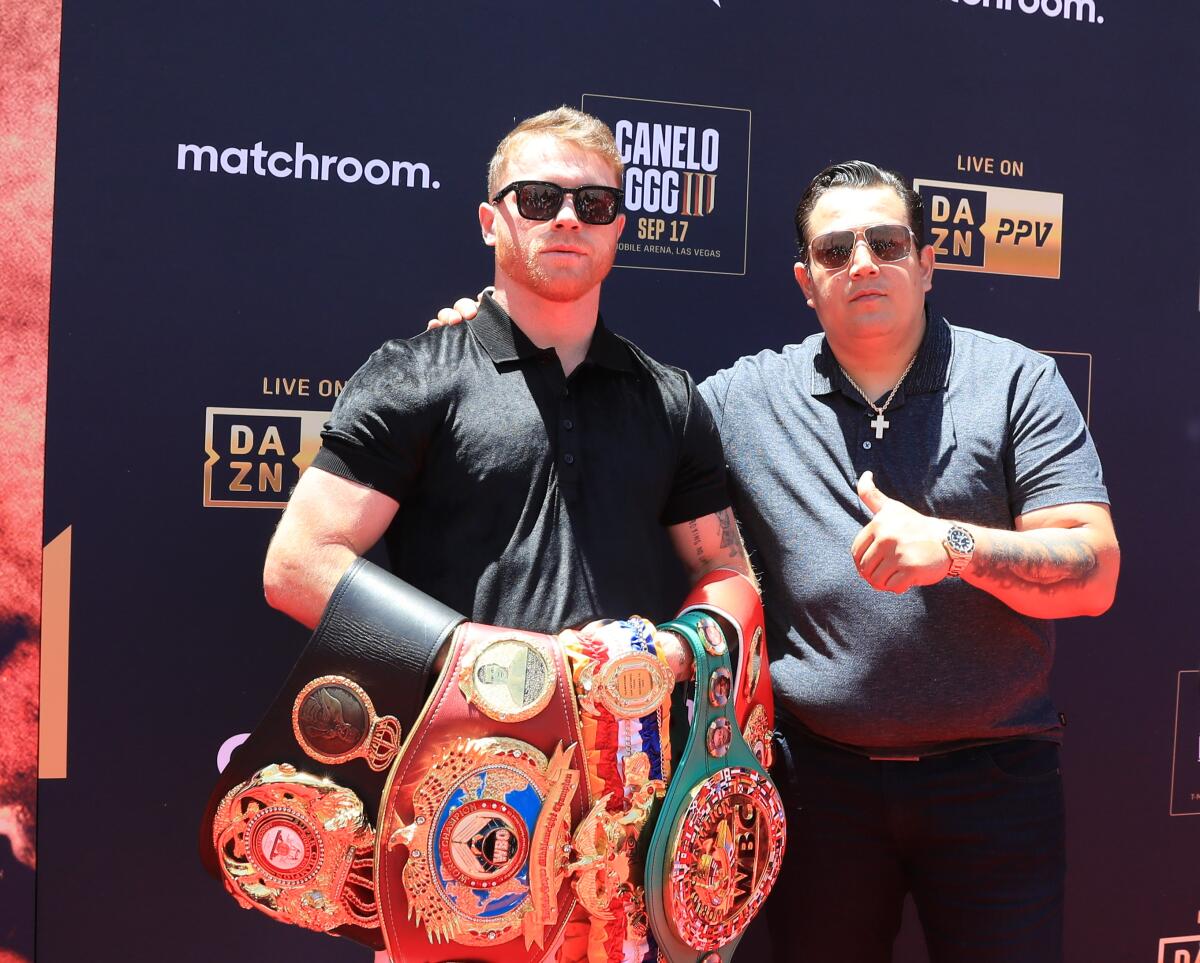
[(858, 174)]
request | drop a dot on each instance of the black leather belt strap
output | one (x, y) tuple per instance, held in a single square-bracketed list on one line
[(375, 618), (377, 631)]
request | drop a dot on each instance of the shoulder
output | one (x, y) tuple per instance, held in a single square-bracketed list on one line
[(407, 375), (1001, 372), (669, 378), (987, 351), (769, 366), (429, 354), (453, 339)]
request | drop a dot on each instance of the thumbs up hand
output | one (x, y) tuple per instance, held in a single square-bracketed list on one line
[(871, 496), (899, 547)]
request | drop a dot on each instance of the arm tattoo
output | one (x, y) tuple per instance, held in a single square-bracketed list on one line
[(697, 542), (1042, 557), (729, 533)]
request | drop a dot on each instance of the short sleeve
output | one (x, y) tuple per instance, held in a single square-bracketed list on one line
[(714, 390), (381, 423), (1052, 459), (699, 484)]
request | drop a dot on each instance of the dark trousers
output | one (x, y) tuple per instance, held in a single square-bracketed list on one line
[(976, 836)]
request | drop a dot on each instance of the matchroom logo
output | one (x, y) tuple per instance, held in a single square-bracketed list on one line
[(302, 165), (256, 455), (1185, 768), (998, 230), (687, 183), (1082, 11)]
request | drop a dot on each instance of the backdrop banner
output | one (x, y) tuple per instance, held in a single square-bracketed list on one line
[(250, 198)]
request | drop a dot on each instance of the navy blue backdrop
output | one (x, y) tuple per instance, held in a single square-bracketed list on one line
[(183, 289)]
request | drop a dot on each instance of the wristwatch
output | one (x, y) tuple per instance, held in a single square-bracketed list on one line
[(960, 546)]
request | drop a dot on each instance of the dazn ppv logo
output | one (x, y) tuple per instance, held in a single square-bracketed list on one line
[(1000, 230)]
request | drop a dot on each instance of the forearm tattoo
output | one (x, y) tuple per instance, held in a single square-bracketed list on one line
[(1044, 557)]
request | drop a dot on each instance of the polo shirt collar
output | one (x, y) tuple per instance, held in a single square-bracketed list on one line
[(930, 371), (505, 342)]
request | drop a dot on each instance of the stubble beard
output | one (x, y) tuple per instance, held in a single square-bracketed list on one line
[(525, 268)]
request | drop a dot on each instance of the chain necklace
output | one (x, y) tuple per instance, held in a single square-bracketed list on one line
[(879, 423)]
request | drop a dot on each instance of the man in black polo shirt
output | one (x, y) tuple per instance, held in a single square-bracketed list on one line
[(530, 469), (934, 499)]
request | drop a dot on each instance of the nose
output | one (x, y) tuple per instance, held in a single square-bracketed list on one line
[(861, 262), (566, 219)]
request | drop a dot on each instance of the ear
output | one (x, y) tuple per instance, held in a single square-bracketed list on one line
[(487, 223), (620, 224), (804, 279), (926, 261)]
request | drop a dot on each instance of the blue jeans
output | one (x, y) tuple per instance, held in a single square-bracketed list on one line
[(976, 836)]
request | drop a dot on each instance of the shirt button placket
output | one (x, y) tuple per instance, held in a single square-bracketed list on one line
[(866, 450), (568, 444)]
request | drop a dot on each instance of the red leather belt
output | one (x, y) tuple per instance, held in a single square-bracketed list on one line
[(474, 833)]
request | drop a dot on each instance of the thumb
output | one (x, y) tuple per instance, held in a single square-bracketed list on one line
[(871, 496)]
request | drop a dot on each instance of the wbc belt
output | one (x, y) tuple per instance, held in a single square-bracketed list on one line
[(718, 843), (475, 825), (733, 600)]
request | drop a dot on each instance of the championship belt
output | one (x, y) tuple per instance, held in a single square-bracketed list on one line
[(623, 686), (512, 821), (734, 602), (475, 826), (718, 844), (289, 827)]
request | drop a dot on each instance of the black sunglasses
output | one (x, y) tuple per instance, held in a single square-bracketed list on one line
[(886, 242), (541, 200)]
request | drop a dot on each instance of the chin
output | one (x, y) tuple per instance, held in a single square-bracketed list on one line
[(566, 286), (564, 291), (869, 319)]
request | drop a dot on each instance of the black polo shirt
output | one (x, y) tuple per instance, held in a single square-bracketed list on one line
[(527, 498)]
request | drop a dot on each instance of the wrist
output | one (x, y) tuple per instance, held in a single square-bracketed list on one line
[(677, 653), (959, 545)]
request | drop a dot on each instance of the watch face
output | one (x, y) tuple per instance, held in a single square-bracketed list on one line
[(960, 540)]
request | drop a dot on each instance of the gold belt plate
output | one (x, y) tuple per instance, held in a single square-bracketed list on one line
[(298, 848), (488, 842)]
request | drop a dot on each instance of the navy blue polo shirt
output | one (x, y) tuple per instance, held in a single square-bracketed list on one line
[(982, 430), (527, 498)]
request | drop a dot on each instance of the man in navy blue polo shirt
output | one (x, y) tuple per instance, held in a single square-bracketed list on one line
[(922, 499)]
